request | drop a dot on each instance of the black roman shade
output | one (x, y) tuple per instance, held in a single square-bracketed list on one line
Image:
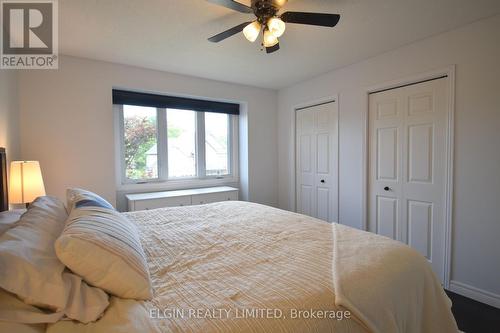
[(183, 103)]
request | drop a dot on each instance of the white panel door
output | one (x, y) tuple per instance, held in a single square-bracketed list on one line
[(407, 163), (317, 161)]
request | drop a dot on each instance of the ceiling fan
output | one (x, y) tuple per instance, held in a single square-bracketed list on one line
[(269, 21)]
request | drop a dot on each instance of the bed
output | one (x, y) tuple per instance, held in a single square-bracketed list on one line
[(245, 267)]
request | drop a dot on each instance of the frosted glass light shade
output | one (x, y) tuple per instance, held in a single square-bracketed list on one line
[(269, 39), (26, 182), (252, 31), (280, 3), (276, 26)]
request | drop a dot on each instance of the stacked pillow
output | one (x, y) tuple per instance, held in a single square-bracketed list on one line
[(32, 272), (102, 246), (99, 245), (9, 218)]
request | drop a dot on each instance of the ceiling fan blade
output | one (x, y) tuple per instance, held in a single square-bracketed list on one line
[(228, 33), (273, 48), (320, 19), (231, 4)]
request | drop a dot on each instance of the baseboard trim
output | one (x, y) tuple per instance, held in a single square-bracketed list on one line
[(477, 294)]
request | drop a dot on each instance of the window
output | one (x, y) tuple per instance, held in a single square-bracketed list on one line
[(174, 139), (140, 138), (181, 130), (216, 144)]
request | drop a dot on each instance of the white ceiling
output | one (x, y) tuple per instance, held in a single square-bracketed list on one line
[(171, 35)]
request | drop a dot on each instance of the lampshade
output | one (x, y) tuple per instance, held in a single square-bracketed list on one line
[(26, 182), (269, 39), (252, 31), (276, 26)]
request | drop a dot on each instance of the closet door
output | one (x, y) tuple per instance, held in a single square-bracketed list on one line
[(407, 167), (317, 161)]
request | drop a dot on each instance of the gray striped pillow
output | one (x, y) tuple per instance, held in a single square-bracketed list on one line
[(103, 247)]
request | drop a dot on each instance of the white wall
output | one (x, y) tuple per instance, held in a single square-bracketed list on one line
[(66, 119), (9, 116), (475, 49)]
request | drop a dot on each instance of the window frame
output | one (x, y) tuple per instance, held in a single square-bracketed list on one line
[(163, 181)]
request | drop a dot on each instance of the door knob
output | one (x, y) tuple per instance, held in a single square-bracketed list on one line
[(323, 181), (387, 188)]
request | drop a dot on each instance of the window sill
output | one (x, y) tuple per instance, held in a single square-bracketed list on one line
[(177, 184)]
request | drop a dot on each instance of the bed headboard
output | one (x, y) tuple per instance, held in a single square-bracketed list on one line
[(4, 200)]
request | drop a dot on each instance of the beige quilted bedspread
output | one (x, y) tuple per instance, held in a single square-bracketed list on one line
[(227, 267), (242, 267)]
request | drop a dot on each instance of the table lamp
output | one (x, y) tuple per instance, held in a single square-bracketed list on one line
[(26, 182)]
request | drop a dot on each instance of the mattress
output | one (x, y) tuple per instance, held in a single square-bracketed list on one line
[(244, 267), (230, 267)]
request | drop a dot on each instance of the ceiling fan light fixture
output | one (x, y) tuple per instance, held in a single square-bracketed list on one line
[(276, 26), (269, 39), (252, 31), (269, 21), (280, 3)]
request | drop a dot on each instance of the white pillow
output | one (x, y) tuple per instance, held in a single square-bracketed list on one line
[(103, 246), (22, 328), (9, 218), (84, 197), (13, 310), (31, 270)]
